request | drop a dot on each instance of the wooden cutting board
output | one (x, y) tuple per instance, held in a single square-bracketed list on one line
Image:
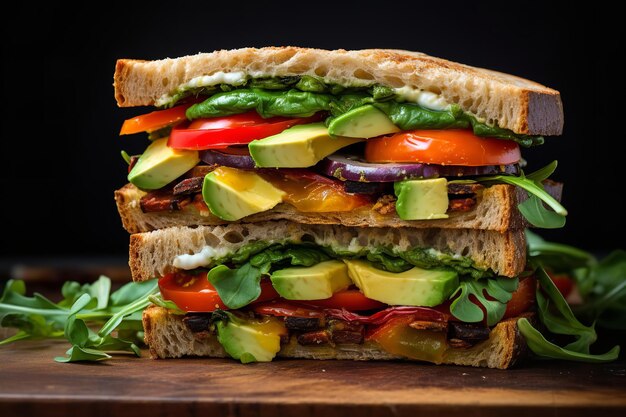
[(32, 384)]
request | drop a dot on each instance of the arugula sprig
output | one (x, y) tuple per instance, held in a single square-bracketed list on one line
[(533, 208), (557, 316), (501, 289), (601, 283), (81, 306)]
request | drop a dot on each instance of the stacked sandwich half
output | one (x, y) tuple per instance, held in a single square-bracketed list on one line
[(335, 204)]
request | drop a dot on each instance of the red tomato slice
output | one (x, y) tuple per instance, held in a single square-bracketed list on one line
[(155, 120), (195, 293), (351, 300), (239, 129), (442, 147), (563, 282), (523, 298)]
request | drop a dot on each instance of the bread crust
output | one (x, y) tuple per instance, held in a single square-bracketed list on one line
[(505, 100), (496, 210), (152, 254), (167, 337)]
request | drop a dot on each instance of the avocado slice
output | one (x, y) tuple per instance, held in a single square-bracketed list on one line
[(363, 122), (422, 199), (415, 287), (315, 282), (300, 146), (159, 165), (232, 194), (250, 340)]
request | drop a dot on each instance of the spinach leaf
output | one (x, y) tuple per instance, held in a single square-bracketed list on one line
[(267, 103), (389, 263), (311, 84), (411, 116), (557, 316), (482, 129), (273, 83), (427, 258), (500, 288)]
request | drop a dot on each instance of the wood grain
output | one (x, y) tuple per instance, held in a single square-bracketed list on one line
[(32, 384)]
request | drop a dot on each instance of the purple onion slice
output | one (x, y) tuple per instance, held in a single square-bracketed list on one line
[(352, 169), (213, 156)]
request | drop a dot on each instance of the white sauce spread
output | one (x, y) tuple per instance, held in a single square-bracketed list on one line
[(200, 259), (221, 77)]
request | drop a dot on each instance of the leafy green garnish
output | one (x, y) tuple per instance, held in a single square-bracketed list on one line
[(601, 284), (81, 306), (557, 316), (557, 256), (533, 209), (501, 289), (240, 286)]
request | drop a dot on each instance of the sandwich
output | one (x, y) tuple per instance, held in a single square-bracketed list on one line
[(362, 205)]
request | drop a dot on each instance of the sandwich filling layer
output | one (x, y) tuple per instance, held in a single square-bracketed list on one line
[(237, 145), (264, 295)]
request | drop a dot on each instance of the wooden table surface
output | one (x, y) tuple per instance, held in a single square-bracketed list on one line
[(32, 384)]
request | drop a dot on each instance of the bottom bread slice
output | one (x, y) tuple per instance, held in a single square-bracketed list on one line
[(168, 337)]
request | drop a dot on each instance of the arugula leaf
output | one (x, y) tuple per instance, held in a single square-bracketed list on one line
[(240, 286), (141, 292), (557, 256), (533, 209), (77, 354), (464, 309), (236, 287), (604, 288), (557, 316), (543, 173), (537, 215), (158, 300), (545, 349), (100, 290), (81, 306)]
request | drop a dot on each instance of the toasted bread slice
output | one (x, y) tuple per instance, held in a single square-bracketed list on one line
[(496, 210), (168, 337), (507, 101), (153, 254)]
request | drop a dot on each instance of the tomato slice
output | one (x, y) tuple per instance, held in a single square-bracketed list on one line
[(238, 129), (194, 292), (155, 120), (522, 299), (351, 300), (563, 282), (314, 193), (442, 147)]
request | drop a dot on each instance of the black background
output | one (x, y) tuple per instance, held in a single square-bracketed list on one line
[(61, 152)]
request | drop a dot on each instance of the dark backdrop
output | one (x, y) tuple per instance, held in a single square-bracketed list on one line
[(60, 148)]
